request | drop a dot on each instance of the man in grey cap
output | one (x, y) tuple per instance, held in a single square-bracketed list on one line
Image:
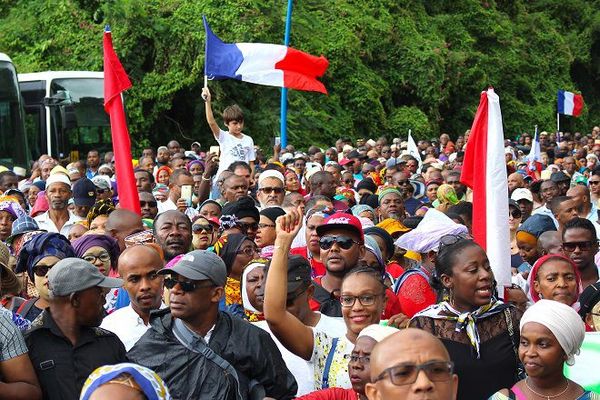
[(65, 343), (201, 352)]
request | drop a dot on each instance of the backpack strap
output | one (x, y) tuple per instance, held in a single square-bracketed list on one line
[(25, 307), (328, 362)]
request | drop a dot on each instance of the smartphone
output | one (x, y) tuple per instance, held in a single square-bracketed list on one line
[(215, 150), (277, 141), (186, 194)]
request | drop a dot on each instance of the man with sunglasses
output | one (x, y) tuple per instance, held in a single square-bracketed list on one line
[(271, 190), (148, 205), (580, 244), (201, 352), (65, 343), (411, 364)]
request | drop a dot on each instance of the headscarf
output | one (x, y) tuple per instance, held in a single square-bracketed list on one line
[(372, 246), (228, 222), (447, 194), (564, 323), (360, 208), (251, 312), (40, 206), (84, 243), (377, 332), (392, 226), (536, 225), (227, 247), (536, 267), (101, 207), (192, 163), (381, 233), (367, 184), (40, 246), (163, 168), (11, 205), (466, 321), (272, 213), (426, 236), (141, 378), (244, 207)]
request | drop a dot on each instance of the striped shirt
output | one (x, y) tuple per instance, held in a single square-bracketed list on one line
[(12, 343)]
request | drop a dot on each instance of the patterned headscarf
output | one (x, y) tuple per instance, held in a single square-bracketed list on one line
[(227, 247), (84, 243), (447, 194), (12, 206), (135, 376), (40, 246), (101, 207)]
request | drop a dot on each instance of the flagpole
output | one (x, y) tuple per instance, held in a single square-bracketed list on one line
[(284, 91), (557, 123)]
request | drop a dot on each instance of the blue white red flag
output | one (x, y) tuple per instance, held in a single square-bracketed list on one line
[(569, 103), (263, 64)]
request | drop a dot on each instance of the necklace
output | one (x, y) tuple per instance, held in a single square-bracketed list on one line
[(548, 397)]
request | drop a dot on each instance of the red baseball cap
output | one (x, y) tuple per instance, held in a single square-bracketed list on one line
[(342, 220)]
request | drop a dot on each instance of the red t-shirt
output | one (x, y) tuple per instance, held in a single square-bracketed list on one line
[(415, 295), (394, 269), (331, 394), (318, 268), (392, 307)]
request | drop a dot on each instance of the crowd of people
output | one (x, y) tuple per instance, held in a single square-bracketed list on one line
[(340, 273)]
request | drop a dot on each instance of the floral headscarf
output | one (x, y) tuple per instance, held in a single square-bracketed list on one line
[(40, 246), (11, 205), (447, 194)]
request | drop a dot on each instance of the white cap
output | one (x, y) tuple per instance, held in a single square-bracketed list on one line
[(311, 170), (347, 147), (20, 171), (286, 156), (270, 173), (54, 178), (521, 194)]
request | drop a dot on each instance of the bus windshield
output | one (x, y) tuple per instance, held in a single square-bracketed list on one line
[(13, 142), (80, 122)]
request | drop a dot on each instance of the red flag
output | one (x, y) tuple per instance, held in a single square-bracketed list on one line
[(115, 82), (484, 171)]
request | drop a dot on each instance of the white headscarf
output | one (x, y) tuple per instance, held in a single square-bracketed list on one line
[(377, 332), (245, 299), (564, 323), (426, 236)]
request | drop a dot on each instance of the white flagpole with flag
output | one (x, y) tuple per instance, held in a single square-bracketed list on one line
[(484, 171), (413, 150)]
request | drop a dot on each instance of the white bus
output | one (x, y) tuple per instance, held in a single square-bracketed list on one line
[(13, 141), (64, 113)]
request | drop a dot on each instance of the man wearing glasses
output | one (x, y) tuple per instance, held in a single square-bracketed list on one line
[(411, 364), (580, 244), (201, 352), (270, 189)]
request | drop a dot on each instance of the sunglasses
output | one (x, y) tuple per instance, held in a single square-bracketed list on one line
[(199, 228), (349, 181), (186, 286), (516, 214), (248, 226), (42, 270), (269, 190), (148, 204), (583, 246), (249, 251), (594, 182), (344, 242)]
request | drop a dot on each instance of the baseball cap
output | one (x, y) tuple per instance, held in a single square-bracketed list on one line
[(101, 182), (521, 194), (199, 265), (71, 275), (344, 221), (22, 224), (298, 274), (84, 192), (394, 161), (559, 177)]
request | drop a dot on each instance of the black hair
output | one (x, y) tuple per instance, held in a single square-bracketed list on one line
[(238, 164), (596, 171), (314, 199), (556, 202), (6, 173), (445, 261), (464, 209), (412, 222), (363, 268), (178, 172), (580, 223), (150, 176)]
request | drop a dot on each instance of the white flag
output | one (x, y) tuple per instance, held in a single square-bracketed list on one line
[(413, 150)]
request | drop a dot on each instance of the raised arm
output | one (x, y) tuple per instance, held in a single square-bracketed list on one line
[(291, 332), (214, 127), (210, 169)]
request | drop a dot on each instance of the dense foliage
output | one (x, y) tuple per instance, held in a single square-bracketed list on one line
[(394, 65)]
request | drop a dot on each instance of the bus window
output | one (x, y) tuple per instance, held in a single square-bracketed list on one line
[(13, 142)]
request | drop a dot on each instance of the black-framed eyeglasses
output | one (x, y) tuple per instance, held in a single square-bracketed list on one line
[(407, 373), (583, 246), (249, 251), (269, 190), (263, 226), (42, 270), (364, 300), (92, 258), (345, 242), (353, 358), (187, 286), (148, 203), (197, 228)]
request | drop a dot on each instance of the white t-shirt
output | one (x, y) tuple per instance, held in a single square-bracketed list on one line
[(303, 370), (234, 149)]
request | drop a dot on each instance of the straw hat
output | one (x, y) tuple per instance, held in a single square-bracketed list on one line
[(9, 284)]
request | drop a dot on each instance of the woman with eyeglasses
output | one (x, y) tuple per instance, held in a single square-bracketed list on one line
[(265, 236), (479, 331), (103, 251), (205, 232), (362, 298), (551, 335), (555, 277), (236, 250), (37, 256)]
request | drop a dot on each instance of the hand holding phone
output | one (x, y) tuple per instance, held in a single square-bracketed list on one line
[(186, 194)]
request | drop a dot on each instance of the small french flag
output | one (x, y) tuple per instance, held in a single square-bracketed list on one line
[(263, 64), (569, 103)]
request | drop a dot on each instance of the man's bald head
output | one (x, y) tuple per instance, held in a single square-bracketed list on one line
[(409, 346), (549, 242), (515, 180), (122, 223), (139, 254), (581, 195)]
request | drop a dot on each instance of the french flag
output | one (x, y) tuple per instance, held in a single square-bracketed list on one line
[(569, 103), (263, 64), (484, 171)]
